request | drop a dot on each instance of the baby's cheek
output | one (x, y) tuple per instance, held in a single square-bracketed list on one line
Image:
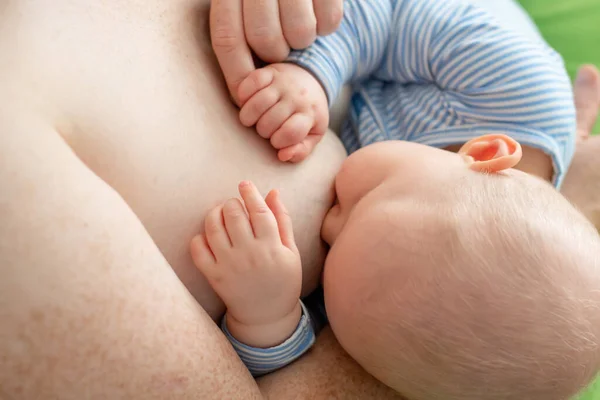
[(352, 186), (339, 300), (348, 277), (345, 291)]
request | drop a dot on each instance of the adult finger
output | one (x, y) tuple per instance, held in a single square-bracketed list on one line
[(298, 22), (284, 221), (262, 218), (329, 15), (263, 30), (587, 99), (229, 43)]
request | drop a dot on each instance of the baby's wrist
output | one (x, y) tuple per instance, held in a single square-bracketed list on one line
[(268, 334), (261, 361), (310, 75)]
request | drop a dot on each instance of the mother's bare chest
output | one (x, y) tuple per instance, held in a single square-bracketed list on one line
[(133, 87)]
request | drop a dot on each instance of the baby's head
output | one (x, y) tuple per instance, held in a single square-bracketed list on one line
[(454, 276)]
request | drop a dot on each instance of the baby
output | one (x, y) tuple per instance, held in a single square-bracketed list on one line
[(450, 276)]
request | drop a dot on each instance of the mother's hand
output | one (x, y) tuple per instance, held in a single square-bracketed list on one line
[(267, 27)]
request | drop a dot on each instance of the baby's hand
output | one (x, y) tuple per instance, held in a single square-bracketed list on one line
[(288, 106), (249, 257)]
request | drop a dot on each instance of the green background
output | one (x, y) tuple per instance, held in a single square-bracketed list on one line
[(572, 27)]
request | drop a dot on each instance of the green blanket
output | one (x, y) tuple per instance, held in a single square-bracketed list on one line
[(592, 393), (572, 27)]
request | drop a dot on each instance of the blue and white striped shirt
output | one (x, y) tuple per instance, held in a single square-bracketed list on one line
[(441, 72), (262, 361)]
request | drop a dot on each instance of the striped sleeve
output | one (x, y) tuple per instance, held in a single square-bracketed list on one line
[(487, 74), (354, 51), (462, 48), (263, 361)]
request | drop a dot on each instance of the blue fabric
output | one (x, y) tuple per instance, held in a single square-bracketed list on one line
[(440, 73), (262, 361)]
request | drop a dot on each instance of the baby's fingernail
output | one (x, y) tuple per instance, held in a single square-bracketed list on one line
[(285, 158), (244, 184)]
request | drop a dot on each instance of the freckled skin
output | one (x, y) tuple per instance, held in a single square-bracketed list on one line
[(116, 136)]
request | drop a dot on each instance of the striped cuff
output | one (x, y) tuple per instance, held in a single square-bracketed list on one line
[(323, 67), (263, 361)]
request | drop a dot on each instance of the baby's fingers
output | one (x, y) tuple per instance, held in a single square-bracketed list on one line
[(202, 255), (300, 151), (216, 234), (256, 81), (273, 119), (284, 221), (259, 104), (293, 131), (262, 219), (237, 223)]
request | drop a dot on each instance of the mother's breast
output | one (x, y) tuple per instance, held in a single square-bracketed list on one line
[(137, 94)]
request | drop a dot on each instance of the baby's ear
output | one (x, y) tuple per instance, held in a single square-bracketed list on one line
[(491, 153)]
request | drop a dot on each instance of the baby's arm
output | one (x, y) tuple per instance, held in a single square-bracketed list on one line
[(289, 104), (461, 47), (249, 257), (487, 74)]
